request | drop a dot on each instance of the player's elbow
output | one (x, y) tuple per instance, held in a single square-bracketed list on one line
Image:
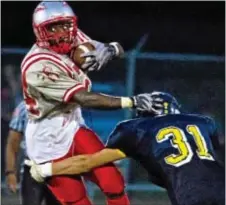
[(83, 98), (81, 102)]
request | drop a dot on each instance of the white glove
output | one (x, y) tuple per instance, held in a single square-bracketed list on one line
[(146, 103), (39, 172), (99, 57)]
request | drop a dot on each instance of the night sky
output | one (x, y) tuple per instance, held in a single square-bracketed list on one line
[(185, 27)]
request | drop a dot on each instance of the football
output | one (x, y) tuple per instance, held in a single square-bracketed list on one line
[(78, 51)]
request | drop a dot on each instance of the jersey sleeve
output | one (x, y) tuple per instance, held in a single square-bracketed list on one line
[(52, 80), (18, 120), (82, 37), (122, 138)]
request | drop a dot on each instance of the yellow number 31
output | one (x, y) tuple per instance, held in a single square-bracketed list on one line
[(179, 141)]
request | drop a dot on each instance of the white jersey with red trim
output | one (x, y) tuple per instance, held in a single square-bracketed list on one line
[(82, 37), (49, 81)]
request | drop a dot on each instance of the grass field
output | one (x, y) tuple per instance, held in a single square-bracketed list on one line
[(137, 198)]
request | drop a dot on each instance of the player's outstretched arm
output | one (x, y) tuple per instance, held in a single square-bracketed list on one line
[(101, 101), (106, 102), (84, 163), (74, 165)]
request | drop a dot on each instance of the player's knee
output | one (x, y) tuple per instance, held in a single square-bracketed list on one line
[(114, 195), (82, 201)]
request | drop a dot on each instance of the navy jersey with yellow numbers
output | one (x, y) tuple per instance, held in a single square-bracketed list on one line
[(178, 151)]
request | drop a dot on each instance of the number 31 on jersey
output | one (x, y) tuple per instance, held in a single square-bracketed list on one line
[(179, 141)]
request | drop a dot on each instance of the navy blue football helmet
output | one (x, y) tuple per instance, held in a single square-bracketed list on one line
[(162, 104), (169, 103)]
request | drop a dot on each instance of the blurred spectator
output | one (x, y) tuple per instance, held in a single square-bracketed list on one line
[(10, 95), (13, 79), (4, 132)]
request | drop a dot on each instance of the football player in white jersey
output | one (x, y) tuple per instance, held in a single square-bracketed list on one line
[(54, 91)]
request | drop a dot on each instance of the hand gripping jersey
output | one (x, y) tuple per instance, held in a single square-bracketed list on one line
[(49, 81)]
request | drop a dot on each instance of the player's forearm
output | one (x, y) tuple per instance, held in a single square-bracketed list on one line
[(84, 163), (73, 165), (105, 156), (101, 101), (62, 167)]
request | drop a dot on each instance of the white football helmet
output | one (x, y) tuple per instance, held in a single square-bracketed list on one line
[(48, 12)]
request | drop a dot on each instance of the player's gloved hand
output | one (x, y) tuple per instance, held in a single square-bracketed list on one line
[(90, 64), (102, 55), (145, 103), (39, 172), (158, 102)]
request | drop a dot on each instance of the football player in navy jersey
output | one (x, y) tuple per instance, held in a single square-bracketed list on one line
[(178, 151)]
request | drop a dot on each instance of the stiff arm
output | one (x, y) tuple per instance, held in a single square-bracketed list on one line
[(84, 163), (74, 165)]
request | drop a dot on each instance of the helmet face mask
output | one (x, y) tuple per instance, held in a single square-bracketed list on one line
[(60, 35), (55, 26)]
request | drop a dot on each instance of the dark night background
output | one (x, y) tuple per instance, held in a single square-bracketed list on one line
[(196, 27)]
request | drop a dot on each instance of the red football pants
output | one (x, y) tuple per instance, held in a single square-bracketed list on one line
[(70, 190)]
